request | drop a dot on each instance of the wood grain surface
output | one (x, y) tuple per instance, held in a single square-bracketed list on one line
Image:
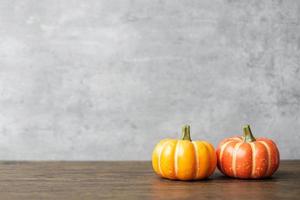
[(134, 180)]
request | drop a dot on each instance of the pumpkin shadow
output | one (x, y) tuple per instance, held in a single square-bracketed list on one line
[(228, 178), (162, 188), (186, 181)]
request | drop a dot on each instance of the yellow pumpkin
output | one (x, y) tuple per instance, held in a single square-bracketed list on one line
[(184, 159)]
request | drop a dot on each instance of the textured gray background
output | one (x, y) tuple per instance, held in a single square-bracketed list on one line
[(94, 80)]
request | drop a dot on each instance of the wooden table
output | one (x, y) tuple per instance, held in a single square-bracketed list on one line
[(134, 180)]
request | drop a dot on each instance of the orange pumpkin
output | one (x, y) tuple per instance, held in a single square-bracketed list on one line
[(246, 157), (184, 159)]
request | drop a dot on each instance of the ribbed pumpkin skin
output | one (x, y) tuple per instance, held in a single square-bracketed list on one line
[(248, 160), (183, 159)]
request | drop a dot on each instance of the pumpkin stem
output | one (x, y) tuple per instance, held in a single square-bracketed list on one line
[(186, 133), (248, 136)]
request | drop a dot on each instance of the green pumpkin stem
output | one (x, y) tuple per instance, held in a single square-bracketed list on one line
[(248, 136), (186, 133)]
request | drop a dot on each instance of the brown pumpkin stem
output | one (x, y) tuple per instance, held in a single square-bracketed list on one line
[(186, 133), (248, 136)]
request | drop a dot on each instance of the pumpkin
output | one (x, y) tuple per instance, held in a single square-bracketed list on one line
[(247, 157), (184, 159)]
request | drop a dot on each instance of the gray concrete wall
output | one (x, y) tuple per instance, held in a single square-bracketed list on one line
[(94, 80)]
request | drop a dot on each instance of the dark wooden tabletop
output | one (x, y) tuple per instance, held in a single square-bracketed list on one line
[(134, 180)]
